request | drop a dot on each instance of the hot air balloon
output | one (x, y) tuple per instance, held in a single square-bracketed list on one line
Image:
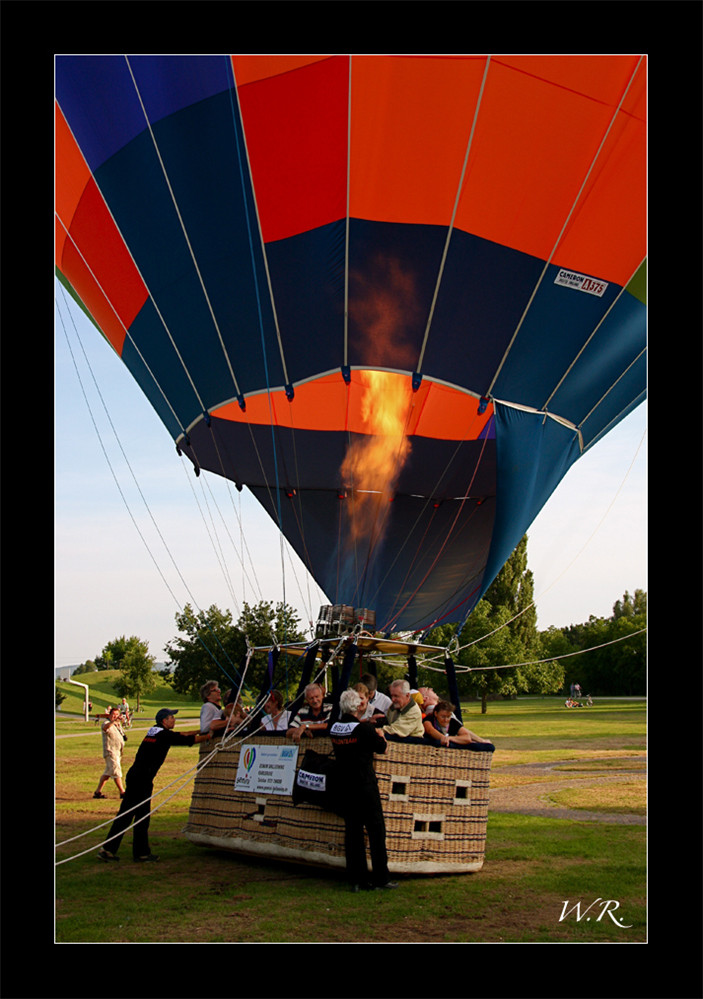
[(397, 297)]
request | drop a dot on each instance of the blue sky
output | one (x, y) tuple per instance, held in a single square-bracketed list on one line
[(117, 573)]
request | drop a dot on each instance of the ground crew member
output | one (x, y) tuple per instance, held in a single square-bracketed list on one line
[(140, 786), (354, 744)]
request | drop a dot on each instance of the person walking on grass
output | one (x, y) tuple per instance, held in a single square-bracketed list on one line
[(113, 746), (136, 804)]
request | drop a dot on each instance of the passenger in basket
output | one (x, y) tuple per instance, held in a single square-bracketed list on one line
[(212, 717), (429, 700), (443, 728), (275, 719), (355, 743), (234, 711), (405, 717), (365, 709), (313, 716), (380, 703)]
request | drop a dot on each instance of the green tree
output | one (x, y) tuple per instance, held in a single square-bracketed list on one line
[(60, 697), (211, 646), (87, 667), (136, 671), (113, 654), (501, 631), (630, 606), (130, 656), (514, 589), (611, 664)]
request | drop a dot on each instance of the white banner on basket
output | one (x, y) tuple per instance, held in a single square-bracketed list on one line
[(266, 769)]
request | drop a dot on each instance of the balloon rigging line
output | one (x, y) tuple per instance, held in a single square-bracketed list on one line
[(574, 559), (128, 335), (258, 220), (641, 354), (298, 514), (198, 767), (346, 226), (271, 297), (120, 490), (563, 228), (590, 337), (183, 227), (284, 548), (449, 532), (237, 516), (299, 521), (537, 662), (432, 492), (215, 541), (450, 227)]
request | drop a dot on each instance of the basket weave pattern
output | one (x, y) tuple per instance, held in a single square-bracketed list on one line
[(435, 803)]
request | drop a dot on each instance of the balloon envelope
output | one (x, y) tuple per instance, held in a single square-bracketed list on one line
[(397, 297)]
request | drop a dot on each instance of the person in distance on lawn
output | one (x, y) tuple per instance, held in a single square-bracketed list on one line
[(113, 745), (136, 804)]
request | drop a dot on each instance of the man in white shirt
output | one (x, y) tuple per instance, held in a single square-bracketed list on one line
[(211, 719), (378, 702)]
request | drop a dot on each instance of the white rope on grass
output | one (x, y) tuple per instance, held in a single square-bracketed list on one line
[(198, 767)]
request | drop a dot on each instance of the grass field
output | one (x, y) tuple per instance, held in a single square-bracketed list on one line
[(534, 864)]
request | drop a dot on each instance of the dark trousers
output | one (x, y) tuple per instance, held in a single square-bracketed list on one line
[(137, 792), (365, 812)]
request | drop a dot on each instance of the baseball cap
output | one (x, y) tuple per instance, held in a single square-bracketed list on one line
[(164, 713)]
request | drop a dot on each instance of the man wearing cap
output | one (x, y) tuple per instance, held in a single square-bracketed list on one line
[(136, 804)]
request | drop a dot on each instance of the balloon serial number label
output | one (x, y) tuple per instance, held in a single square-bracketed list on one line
[(580, 282)]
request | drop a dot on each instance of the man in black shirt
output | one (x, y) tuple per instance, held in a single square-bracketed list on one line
[(354, 744), (136, 803)]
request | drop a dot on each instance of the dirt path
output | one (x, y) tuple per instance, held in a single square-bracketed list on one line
[(533, 799)]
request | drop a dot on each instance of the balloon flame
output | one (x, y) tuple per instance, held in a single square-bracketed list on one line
[(375, 459)]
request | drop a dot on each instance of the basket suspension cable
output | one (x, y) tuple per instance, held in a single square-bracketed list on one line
[(198, 767), (119, 487), (128, 335)]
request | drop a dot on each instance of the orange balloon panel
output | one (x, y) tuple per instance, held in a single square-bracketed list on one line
[(410, 125), (328, 404)]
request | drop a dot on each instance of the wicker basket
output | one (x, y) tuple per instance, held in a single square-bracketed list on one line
[(435, 803)]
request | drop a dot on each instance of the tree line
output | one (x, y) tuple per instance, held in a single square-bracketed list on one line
[(500, 632)]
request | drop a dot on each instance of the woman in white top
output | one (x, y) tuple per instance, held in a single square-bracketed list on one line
[(275, 719)]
